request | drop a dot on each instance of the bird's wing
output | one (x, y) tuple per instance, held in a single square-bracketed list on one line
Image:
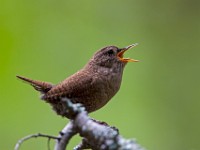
[(77, 87)]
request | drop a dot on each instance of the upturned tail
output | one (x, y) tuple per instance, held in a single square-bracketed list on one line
[(40, 86)]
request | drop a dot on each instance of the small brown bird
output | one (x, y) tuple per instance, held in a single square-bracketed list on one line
[(93, 86)]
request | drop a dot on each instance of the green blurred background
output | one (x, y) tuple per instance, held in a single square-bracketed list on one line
[(159, 100)]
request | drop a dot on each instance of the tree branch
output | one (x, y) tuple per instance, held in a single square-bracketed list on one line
[(19, 143), (96, 135), (65, 135)]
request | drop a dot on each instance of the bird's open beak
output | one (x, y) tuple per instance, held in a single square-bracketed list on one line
[(121, 53)]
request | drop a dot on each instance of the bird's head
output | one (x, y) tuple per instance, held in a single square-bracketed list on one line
[(112, 56)]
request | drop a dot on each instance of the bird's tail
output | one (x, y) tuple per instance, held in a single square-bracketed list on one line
[(40, 86)]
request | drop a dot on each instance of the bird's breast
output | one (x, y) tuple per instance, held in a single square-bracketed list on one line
[(106, 86)]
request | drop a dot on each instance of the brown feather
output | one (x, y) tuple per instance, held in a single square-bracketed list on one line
[(40, 86), (93, 86)]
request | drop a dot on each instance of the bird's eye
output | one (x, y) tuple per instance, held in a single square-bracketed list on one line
[(110, 52)]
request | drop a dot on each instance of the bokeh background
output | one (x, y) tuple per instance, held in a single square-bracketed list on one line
[(159, 100)]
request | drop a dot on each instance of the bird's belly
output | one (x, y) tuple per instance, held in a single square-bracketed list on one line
[(94, 102), (99, 97)]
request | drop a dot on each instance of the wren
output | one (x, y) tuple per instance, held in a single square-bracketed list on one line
[(92, 86)]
